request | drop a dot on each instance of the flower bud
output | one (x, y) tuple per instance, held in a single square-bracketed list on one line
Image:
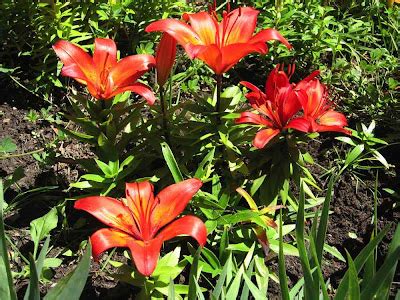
[(165, 58)]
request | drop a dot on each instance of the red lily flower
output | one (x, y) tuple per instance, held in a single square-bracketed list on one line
[(165, 58), (136, 220), (219, 44), (104, 76), (318, 113), (276, 106)]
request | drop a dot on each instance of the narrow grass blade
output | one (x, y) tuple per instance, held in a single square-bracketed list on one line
[(171, 162), (193, 276), (319, 275), (171, 290), (394, 244), (38, 269), (220, 282), (281, 260), (4, 252), (32, 292), (381, 276), (359, 263), (323, 221), (310, 287), (354, 287)]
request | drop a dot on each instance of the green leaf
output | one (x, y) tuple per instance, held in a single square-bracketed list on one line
[(281, 261), (395, 243), (312, 292), (7, 145), (359, 263), (32, 293), (7, 290), (38, 269), (41, 227), (193, 275), (323, 221), (171, 290), (221, 279), (71, 286), (385, 271), (354, 154), (354, 287), (253, 289), (105, 168), (171, 162)]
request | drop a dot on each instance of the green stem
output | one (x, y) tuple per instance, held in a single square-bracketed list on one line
[(21, 154), (218, 105), (164, 116)]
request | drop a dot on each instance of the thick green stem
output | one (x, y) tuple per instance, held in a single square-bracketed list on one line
[(164, 115), (219, 90)]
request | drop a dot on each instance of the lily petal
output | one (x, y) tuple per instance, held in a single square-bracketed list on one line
[(204, 26), (138, 88), (187, 225), (145, 254), (180, 31), (238, 26), (301, 124), (172, 201), (77, 63), (104, 55), (231, 54), (211, 55), (332, 118), (252, 118), (263, 137), (140, 201), (129, 69), (266, 35), (106, 238), (110, 211)]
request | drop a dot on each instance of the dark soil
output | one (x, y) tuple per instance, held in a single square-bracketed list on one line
[(352, 206)]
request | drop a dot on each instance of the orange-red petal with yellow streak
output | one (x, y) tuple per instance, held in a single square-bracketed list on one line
[(187, 225), (204, 26), (140, 200), (128, 68), (77, 63), (145, 254), (263, 137), (104, 55), (181, 31), (172, 200), (110, 211), (211, 55), (239, 25), (106, 238), (332, 118), (232, 53)]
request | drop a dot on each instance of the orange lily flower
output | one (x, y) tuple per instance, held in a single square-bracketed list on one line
[(165, 58), (142, 222), (318, 113), (104, 76), (219, 44), (276, 106)]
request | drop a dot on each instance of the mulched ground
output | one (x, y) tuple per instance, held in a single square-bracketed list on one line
[(352, 208)]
